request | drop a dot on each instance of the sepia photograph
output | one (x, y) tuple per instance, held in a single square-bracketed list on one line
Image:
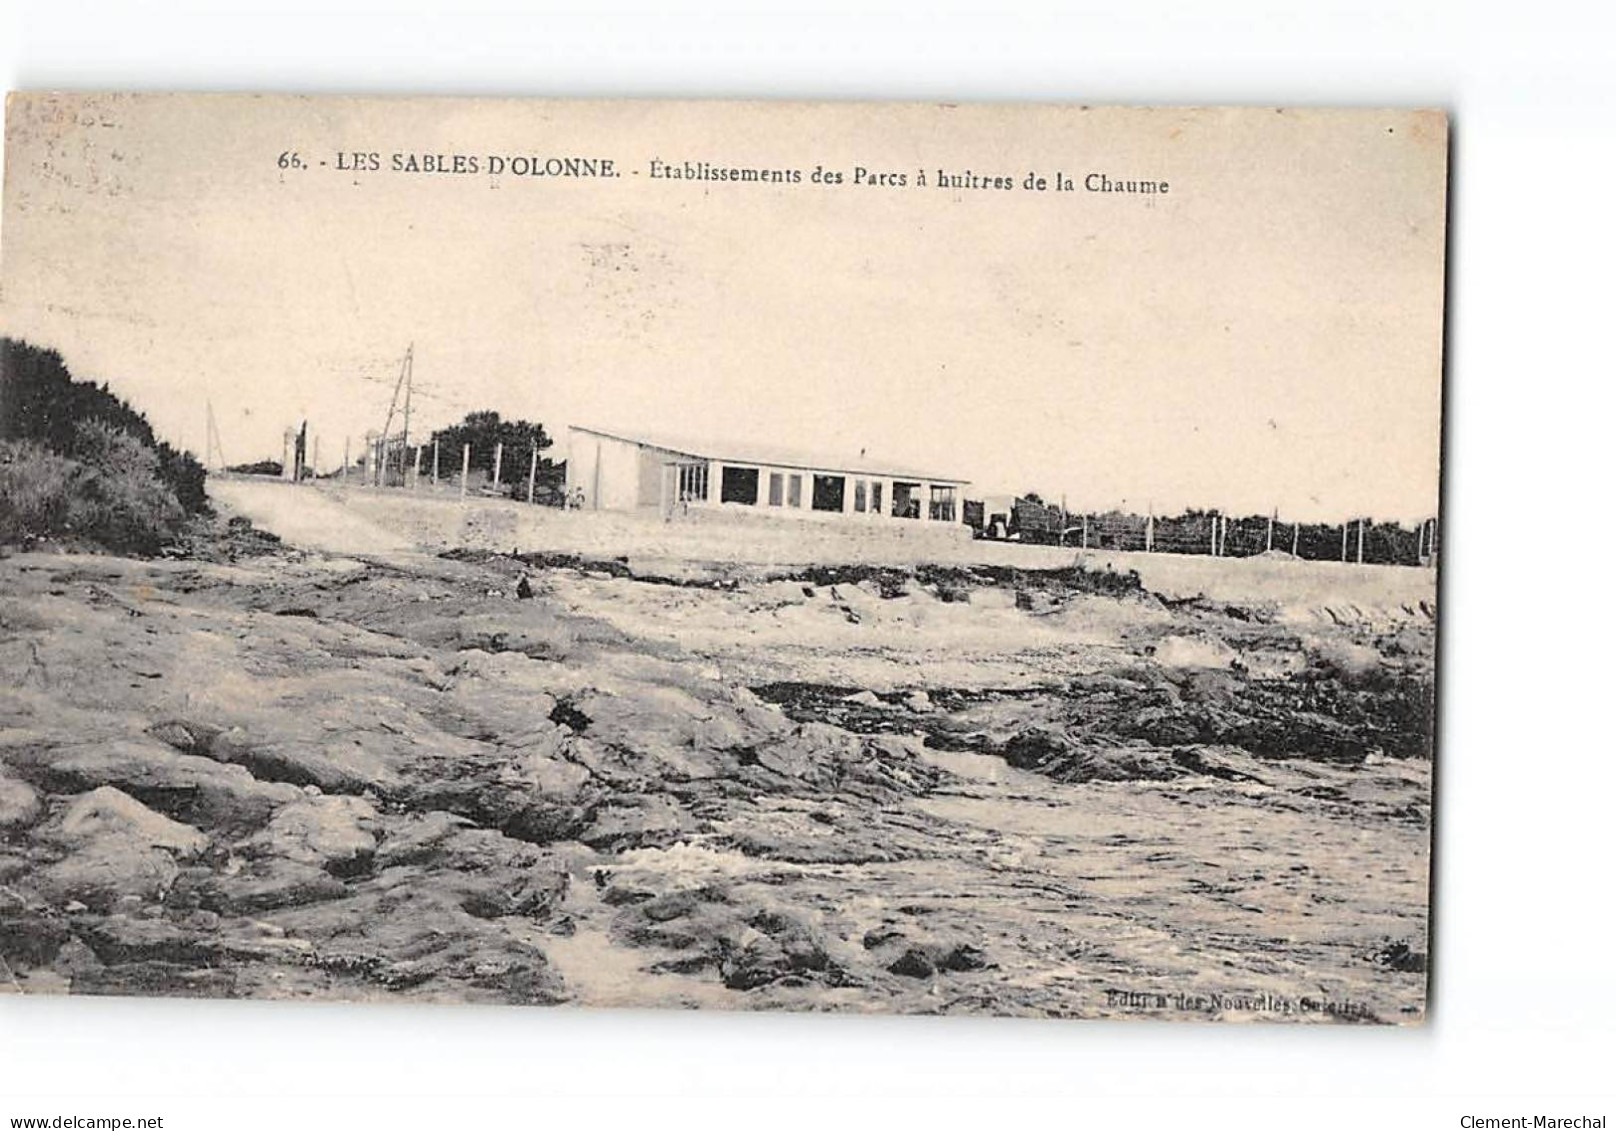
[(899, 558)]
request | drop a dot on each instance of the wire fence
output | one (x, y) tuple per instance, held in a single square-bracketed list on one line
[(1361, 539)]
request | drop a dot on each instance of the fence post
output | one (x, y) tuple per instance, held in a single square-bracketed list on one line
[(1360, 541), (417, 483), (434, 463), (346, 441), (1273, 515), (465, 468), (1296, 539), (1085, 532), (1344, 526), (1214, 550), (532, 472), (1150, 529), (499, 455)]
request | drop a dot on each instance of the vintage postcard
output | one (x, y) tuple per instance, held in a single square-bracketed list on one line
[(952, 559)]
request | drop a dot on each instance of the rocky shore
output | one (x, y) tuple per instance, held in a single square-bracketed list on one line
[(308, 775)]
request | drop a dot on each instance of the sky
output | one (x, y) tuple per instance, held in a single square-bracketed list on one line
[(1266, 335)]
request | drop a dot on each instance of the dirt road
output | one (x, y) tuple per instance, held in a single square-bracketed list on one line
[(304, 516)]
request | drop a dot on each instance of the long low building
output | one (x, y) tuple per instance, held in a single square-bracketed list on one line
[(623, 471)]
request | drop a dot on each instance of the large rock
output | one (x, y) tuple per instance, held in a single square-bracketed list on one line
[(121, 938), (635, 732), (911, 953), (30, 934), (334, 833), (20, 806), (1333, 658), (118, 848), (636, 821), (777, 946), (265, 884), (104, 871), (502, 696), (412, 935), (490, 874), (361, 763), (109, 812), (1073, 758), (189, 788)]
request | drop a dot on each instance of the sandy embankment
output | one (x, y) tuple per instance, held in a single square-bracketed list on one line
[(362, 520)]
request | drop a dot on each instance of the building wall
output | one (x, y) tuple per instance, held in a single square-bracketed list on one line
[(607, 471), (618, 474), (651, 463)]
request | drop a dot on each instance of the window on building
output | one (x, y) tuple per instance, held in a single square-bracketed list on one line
[(943, 504), (906, 500), (738, 485), (692, 482), (829, 492), (794, 491), (875, 498), (776, 488), (860, 495)]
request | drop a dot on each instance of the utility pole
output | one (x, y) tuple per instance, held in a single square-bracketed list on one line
[(214, 455), (532, 472), (409, 387), (392, 406)]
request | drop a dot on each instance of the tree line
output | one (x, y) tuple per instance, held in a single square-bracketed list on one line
[(1196, 531)]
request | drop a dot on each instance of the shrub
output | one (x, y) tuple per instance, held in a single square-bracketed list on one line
[(37, 488), (110, 495), (42, 402)]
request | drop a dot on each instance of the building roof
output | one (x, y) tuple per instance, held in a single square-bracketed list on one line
[(763, 455)]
